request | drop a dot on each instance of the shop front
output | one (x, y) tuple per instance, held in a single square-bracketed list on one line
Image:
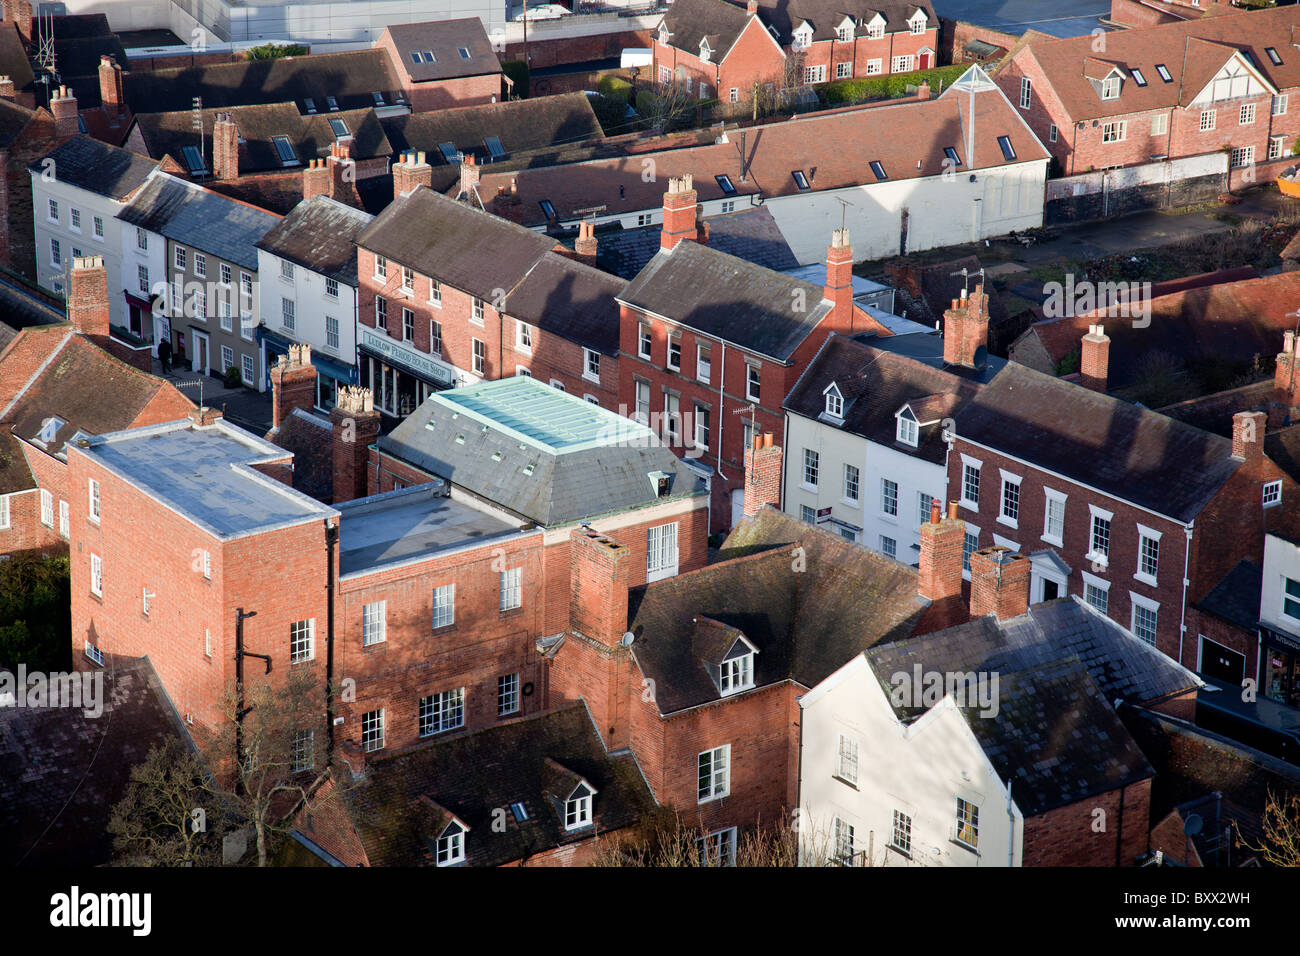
[(399, 378), (1280, 668), (331, 374)]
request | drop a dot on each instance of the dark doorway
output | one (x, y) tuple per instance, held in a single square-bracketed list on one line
[(1221, 663)]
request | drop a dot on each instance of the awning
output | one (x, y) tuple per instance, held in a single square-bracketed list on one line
[(279, 345)]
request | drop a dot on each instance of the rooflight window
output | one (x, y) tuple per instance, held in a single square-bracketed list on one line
[(194, 160), (1138, 78), (1008, 153), (724, 182), (449, 152), (340, 128), (494, 147), (548, 209), (463, 51), (952, 155), (1164, 73), (379, 98), (800, 179), (332, 103), (50, 428), (310, 104), (1272, 56), (285, 150), (879, 169), (519, 811)]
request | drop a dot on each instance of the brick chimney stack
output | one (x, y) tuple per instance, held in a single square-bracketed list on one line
[(966, 328), (1248, 435), (469, 176), (19, 13), (88, 298), (999, 583), (317, 180), (356, 426), (293, 384), (679, 212), (7, 91), (762, 475), (839, 281), (943, 542), (111, 95), (585, 245), (751, 7), (411, 171), (63, 104), (923, 91), (202, 417), (225, 146), (343, 168), (1094, 359), (1286, 376), (599, 569)]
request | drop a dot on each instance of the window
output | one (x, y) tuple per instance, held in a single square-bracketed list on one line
[(180, 257), (1291, 598), (970, 544), (1114, 132), (201, 265), (703, 363), (577, 809), (734, 95), (97, 227), (408, 279), (207, 642), (96, 575), (1272, 55), (970, 485), (381, 313), (1148, 554), (1051, 138), (47, 509), (408, 325), (807, 514), (463, 51), (643, 341), (1144, 619), (834, 403), (1008, 152), (476, 315), (141, 238), (1138, 78), (381, 267), (844, 34), (675, 353), (284, 149), (247, 368), (1100, 536), (1054, 519), (507, 694), (1279, 104), (737, 673), (924, 502), (644, 219), (94, 654), (951, 154), (63, 520), (642, 401), (304, 751), (846, 759), (331, 332), (193, 160), (480, 356), (53, 210), (75, 215), (1164, 73), (1243, 156), (591, 365), (1159, 124), (968, 824), (843, 70), (1276, 145), (908, 431), (450, 848), (916, 26), (372, 730), (1272, 493), (511, 588), (435, 337), (1010, 499), (800, 179), (524, 336), (207, 565), (442, 712), (661, 551), (900, 837), (873, 67), (843, 836), (286, 313), (1025, 92), (4, 512), (93, 500), (1097, 596), (811, 462), (142, 277), (851, 484), (1207, 120), (1110, 88), (889, 497), (200, 303), (701, 427), (875, 31), (814, 74), (374, 623), (714, 773), (444, 606), (718, 848), (1247, 114), (753, 383), (302, 640), (901, 64), (56, 253), (227, 358)]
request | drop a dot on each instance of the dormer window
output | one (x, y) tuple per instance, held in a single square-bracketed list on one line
[(737, 670), (664, 35), (834, 402), (451, 844), (1110, 88), (704, 50), (803, 36), (310, 104), (845, 31), (917, 23), (908, 430), (577, 809)]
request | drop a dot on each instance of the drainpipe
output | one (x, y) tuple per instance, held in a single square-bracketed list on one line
[(1011, 820), (1182, 613), (331, 543), (722, 408), (1119, 826)]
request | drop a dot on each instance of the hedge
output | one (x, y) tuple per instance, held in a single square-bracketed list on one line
[(517, 70), (615, 86), (840, 92), (273, 51)]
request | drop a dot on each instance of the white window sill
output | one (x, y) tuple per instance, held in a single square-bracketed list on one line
[(478, 322), (1145, 579), (1057, 542), (716, 796), (970, 505), (661, 574), (588, 378), (1273, 504), (643, 355), (1011, 523), (850, 503), (670, 368), (807, 487), (888, 518), (1097, 559)]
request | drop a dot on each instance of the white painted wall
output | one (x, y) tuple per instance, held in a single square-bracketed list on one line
[(919, 770), (154, 258), (1281, 561)]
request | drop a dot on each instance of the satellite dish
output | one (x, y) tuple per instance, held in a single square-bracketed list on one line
[(981, 358), (627, 639), (1193, 824)]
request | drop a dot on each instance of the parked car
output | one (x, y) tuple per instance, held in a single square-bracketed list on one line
[(544, 11)]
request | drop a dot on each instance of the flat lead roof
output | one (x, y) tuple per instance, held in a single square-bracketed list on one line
[(199, 473), (537, 414)]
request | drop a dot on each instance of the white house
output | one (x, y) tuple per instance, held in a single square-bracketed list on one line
[(77, 190), (308, 291), (865, 446)]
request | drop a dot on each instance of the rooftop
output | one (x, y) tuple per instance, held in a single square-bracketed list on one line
[(408, 524), (432, 50), (98, 167), (750, 234), (318, 235), (206, 475)]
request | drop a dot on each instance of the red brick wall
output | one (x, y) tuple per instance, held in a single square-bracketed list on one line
[(553, 358), (448, 94), (860, 50), (600, 46), (955, 34), (1244, 642), (1066, 836), (25, 532), (52, 475), (753, 58), (383, 473)]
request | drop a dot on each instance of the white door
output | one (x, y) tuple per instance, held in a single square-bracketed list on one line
[(200, 363), (737, 506)]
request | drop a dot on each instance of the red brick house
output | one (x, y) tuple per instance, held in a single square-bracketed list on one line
[(710, 344), (1165, 92), (720, 49), (443, 63)]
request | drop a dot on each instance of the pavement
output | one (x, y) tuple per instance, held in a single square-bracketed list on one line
[(249, 409)]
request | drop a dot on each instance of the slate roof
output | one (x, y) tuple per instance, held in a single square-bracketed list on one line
[(401, 806), (875, 384), (1236, 597), (604, 473), (1192, 51), (319, 235), (569, 299), (13, 120), (520, 126), (832, 149), (1120, 449), (720, 295), (690, 21), (351, 77), (216, 224), (1283, 449), (98, 167), (62, 771), (15, 475), (468, 249), (310, 438), (443, 38), (805, 624), (826, 15), (751, 235), (165, 134)]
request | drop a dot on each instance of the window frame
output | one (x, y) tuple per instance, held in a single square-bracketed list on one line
[(374, 623), (707, 793)]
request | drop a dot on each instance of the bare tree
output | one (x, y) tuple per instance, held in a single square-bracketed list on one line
[(666, 840), (665, 105), (166, 816), (1280, 836)]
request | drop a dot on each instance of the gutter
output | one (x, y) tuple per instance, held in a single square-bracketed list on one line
[(1182, 613)]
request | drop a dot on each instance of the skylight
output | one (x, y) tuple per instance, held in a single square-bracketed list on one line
[(548, 209), (520, 812), (50, 428), (1250, 58), (494, 147), (332, 102), (285, 150), (878, 168), (193, 159), (1273, 56), (340, 128), (725, 184), (379, 98), (1164, 73), (463, 51), (800, 179), (1138, 78), (952, 155), (449, 152), (1008, 152), (310, 104)]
